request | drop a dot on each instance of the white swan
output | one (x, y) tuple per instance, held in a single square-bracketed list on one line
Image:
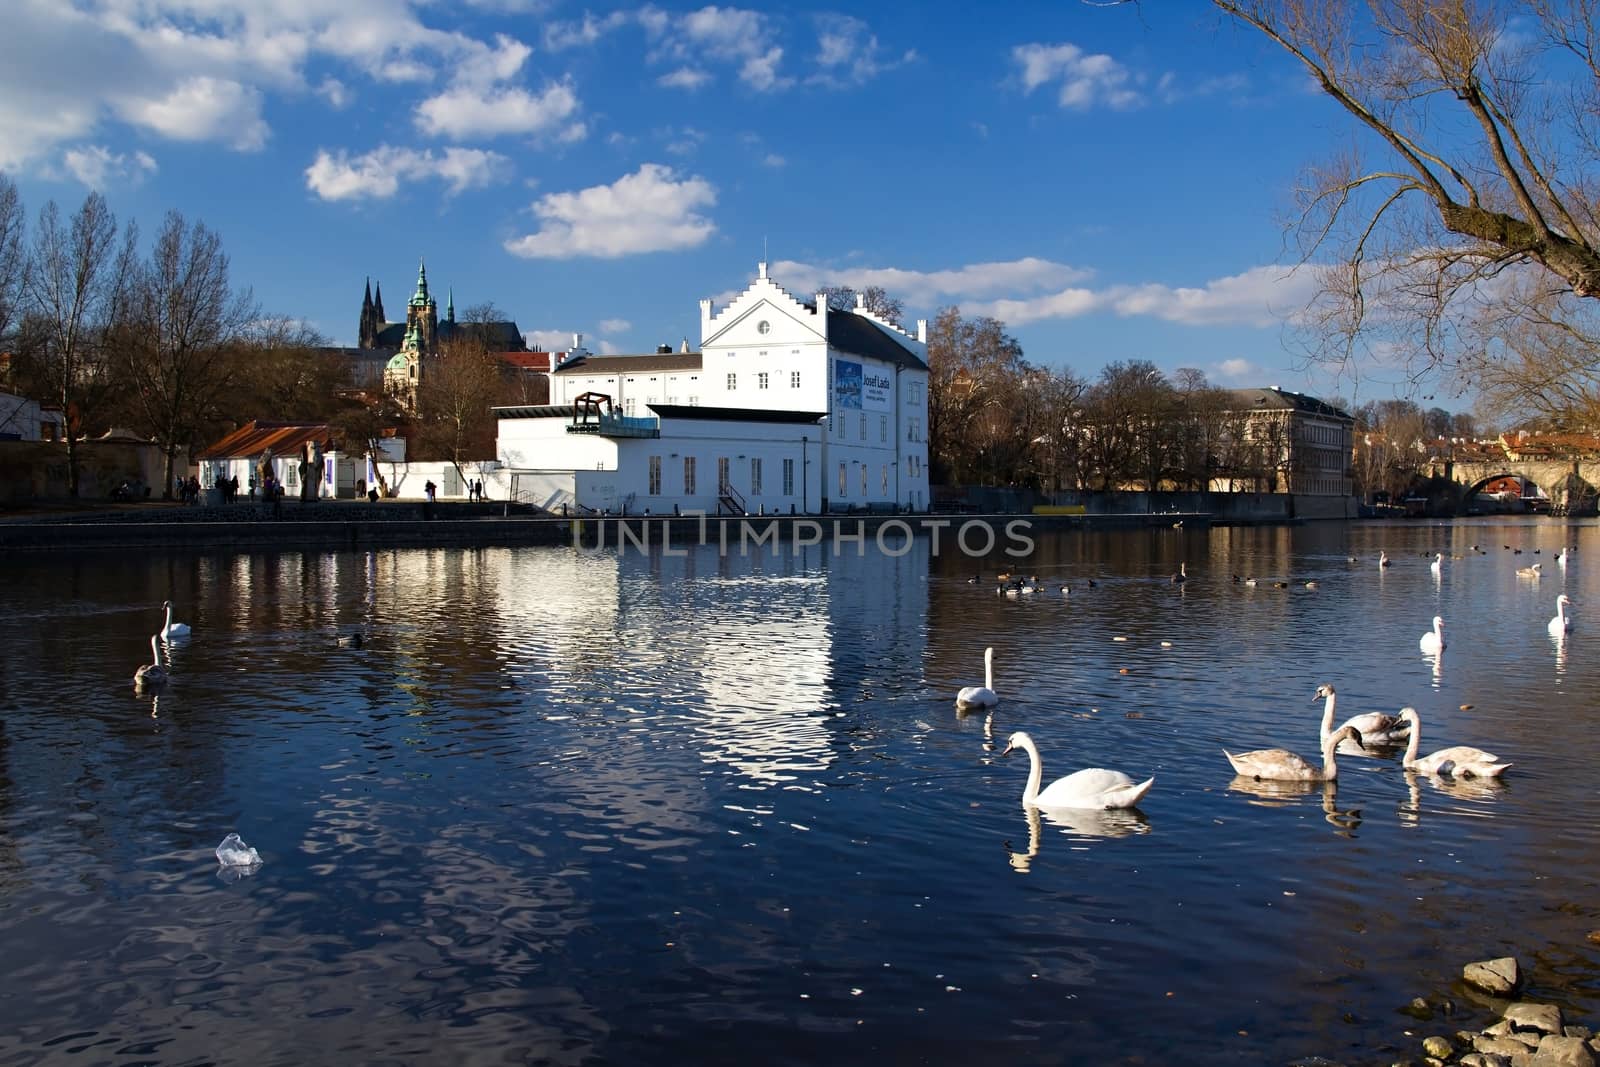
[(1383, 558), (1456, 760), (1375, 727), (1437, 566), (1561, 557), (1432, 642), (151, 675), (172, 630), (980, 696), (1092, 787), (1182, 575), (1561, 625), (1281, 765), (1529, 572)]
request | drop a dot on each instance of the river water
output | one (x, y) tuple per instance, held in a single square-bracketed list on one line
[(647, 808)]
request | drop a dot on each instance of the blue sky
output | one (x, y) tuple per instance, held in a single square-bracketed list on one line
[(1111, 182)]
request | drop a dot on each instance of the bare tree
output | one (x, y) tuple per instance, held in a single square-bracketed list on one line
[(454, 421), (13, 256), (183, 320), (874, 298), (1485, 114), (71, 292)]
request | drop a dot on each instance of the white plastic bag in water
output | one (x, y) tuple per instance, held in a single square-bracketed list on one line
[(233, 852)]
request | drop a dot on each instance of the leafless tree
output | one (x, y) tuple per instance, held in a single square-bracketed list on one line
[(13, 256), (71, 294), (1484, 207), (181, 325), (874, 298), (454, 421)]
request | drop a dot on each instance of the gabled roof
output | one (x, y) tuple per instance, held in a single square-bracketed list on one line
[(852, 333), (284, 438), (695, 411), (653, 361), (1285, 400)]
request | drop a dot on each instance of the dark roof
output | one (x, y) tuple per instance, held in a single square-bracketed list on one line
[(284, 438), (501, 336), (849, 332), (1256, 399), (592, 364), (532, 411), (695, 411), (393, 335)]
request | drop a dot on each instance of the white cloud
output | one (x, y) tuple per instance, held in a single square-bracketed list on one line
[(615, 325), (464, 111), (335, 92), (848, 53), (377, 174), (98, 167), (651, 210), (683, 142), (563, 35), (1236, 370), (1261, 296), (743, 38), (925, 288), (548, 340), (202, 109), (683, 78), (1087, 80), (775, 161)]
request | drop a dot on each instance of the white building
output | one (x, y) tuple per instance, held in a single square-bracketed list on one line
[(22, 419), (787, 406)]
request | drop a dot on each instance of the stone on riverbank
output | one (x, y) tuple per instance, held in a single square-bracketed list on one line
[(1500, 977), (1485, 1059), (1545, 1018), (1440, 1048), (1558, 1050)]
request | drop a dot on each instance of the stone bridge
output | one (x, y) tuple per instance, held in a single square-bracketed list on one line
[(1568, 482)]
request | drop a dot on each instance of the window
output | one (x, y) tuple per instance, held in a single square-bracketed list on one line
[(885, 479), (916, 392), (627, 406), (688, 475), (788, 477), (722, 475), (291, 474), (863, 479), (913, 429), (794, 379), (883, 429), (761, 380), (755, 476), (838, 426), (655, 475), (844, 480), (863, 427), (694, 401), (733, 381), (763, 327)]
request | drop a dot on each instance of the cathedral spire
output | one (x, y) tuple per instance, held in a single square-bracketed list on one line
[(377, 306), (366, 301), (450, 308), (420, 297)]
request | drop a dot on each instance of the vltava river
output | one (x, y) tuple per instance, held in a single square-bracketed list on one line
[(567, 807)]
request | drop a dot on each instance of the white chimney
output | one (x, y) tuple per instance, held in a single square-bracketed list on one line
[(577, 341), (922, 330), (861, 301), (685, 346), (761, 270)]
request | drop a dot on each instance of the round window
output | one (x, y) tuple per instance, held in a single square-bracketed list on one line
[(763, 326)]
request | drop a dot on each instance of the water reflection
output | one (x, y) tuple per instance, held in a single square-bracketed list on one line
[(1281, 794), (1079, 824), (1481, 791)]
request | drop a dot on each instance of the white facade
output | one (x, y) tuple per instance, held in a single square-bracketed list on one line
[(770, 355), (22, 419)]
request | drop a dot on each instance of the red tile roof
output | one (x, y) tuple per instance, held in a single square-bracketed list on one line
[(527, 361), (284, 438)]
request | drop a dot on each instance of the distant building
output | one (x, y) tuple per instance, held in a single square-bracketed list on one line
[(787, 406), (22, 419), (1299, 444)]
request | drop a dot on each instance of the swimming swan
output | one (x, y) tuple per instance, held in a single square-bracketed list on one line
[(1383, 559), (1432, 642), (151, 675), (1529, 572), (1182, 575), (980, 696), (1375, 727), (1092, 787), (1437, 566), (1281, 765), (1456, 760), (1561, 625), (172, 630)]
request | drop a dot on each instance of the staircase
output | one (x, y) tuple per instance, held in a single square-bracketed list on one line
[(730, 502)]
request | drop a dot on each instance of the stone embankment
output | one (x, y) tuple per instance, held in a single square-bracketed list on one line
[(1525, 1034)]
